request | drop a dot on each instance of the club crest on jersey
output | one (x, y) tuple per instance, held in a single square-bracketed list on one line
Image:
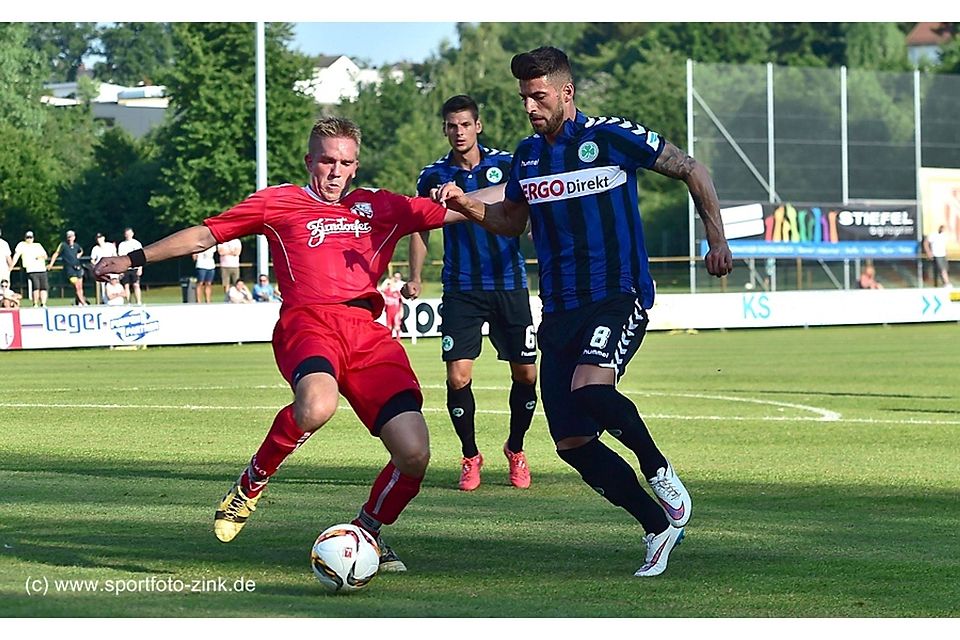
[(447, 343), (323, 227), (364, 209), (588, 151), (494, 174)]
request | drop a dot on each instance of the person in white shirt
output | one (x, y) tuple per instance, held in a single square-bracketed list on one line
[(9, 299), (6, 263), (229, 262), (131, 279), (205, 268), (239, 293), (114, 292), (935, 246), (102, 249), (33, 257)]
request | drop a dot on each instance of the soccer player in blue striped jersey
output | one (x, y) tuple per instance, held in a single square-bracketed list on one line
[(575, 180), (484, 280)]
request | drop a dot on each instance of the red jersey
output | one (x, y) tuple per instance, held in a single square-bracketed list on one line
[(326, 253), (391, 295)]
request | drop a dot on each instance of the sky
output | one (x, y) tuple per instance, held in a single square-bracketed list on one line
[(378, 43)]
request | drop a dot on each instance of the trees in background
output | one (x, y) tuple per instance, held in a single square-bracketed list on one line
[(60, 168), (135, 52), (207, 149)]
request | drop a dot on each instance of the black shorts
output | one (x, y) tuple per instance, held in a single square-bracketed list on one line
[(39, 281), (511, 325), (606, 333), (130, 277)]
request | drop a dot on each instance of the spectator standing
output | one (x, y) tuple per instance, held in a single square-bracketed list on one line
[(6, 260), (263, 291), (229, 262), (131, 279), (205, 268), (935, 246), (33, 257), (71, 252), (102, 249)]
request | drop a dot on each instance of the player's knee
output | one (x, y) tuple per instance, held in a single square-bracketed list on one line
[(458, 379), (413, 462), (525, 375), (313, 414)]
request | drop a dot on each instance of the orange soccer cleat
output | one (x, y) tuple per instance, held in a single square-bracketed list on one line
[(470, 472), (519, 471)]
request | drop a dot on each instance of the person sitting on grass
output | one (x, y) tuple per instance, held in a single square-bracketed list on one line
[(9, 299)]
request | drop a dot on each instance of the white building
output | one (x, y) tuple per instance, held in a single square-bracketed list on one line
[(134, 109), (925, 41), (338, 78)]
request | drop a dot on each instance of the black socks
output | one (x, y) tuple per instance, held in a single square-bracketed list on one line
[(618, 416), (610, 476)]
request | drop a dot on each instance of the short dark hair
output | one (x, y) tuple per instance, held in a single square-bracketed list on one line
[(543, 61), (460, 103)]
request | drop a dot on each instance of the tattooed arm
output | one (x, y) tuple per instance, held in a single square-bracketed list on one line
[(676, 164)]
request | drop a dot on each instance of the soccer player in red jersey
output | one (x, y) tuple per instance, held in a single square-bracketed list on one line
[(330, 247)]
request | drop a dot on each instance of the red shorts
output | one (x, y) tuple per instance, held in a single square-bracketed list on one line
[(370, 367), (393, 312)]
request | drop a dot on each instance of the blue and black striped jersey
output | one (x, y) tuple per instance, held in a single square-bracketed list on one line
[(584, 210), (473, 258)]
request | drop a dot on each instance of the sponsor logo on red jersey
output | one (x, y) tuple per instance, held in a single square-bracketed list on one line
[(323, 227)]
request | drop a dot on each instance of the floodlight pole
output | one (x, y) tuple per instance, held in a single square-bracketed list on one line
[(690, 206), (263, 250), (918, 160)]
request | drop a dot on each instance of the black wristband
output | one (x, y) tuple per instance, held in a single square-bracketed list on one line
[(137, 258)]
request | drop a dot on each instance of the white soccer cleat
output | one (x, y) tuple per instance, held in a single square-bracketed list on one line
[(672, 496), (658, 551)]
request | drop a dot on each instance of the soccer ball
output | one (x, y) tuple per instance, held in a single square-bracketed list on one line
[(345, 558)]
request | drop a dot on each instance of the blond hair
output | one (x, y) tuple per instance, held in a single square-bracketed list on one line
[(334, 127)]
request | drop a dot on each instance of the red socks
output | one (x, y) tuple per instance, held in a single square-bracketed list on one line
[(392, 491), (283, 439)]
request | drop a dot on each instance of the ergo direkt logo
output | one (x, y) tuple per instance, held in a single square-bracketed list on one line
[(572, 184)]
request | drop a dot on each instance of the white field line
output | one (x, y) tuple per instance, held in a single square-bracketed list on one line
[(824, 414), (820, 415)]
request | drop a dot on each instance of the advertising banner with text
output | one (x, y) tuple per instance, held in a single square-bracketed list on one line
[(64, 327), (820, 231)]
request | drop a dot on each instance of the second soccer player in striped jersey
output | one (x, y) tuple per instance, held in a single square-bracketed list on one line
[(484, 280), (575, 180)]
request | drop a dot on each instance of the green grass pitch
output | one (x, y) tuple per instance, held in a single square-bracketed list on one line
[(823, 464)]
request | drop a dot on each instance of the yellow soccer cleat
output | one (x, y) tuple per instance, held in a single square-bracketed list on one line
[(233, 512)]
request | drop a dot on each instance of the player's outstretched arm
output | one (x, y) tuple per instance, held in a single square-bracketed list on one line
[(674, 163), (181, 243), (487, 207)]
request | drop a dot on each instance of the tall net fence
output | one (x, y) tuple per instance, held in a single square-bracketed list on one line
[(808, 144)]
